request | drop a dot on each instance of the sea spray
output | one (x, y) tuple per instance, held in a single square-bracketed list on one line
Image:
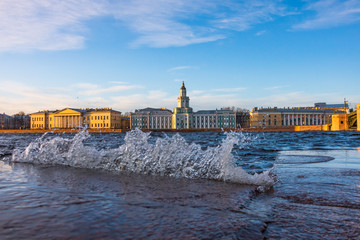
[(168, 156)]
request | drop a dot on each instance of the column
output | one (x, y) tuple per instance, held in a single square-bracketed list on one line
[(289, 120), (302, 119), (313, 119)]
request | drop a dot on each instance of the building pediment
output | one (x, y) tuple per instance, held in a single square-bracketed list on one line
[(69, 111)]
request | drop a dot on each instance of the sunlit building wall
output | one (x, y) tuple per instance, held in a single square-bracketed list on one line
[(69, 118), (280, 117)]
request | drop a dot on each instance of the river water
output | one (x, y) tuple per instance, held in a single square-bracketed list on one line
[(271, 185)]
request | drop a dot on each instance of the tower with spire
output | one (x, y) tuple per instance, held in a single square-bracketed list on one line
[(183, 111), (183, 100)]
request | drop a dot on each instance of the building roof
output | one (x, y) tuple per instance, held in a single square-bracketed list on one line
[(214, 112), (162, 111), (81, 110), (3, 115), (324, 105), (44, 111), (295, 110)]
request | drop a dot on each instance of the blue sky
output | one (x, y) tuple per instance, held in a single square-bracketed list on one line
[(135, 53)]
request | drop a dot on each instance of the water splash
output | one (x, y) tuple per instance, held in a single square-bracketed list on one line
[(168, 156)]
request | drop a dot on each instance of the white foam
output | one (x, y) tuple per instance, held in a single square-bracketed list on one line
[(169, 156)]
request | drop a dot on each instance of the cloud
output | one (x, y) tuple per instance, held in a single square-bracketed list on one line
[(260, 33), (228, 89), (196, 92), (118, 82), (59, 25), (331, 13), (178, 80), (17, 97), (45, 24), (142, 100), (242, 15), (88, 89), (178, 68), (276, 87)]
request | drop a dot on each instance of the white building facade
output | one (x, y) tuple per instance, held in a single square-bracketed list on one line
[(151, 118)]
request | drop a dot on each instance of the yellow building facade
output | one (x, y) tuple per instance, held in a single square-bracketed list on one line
[(70, 118), (358, 116), (283, 117), (340, 122)]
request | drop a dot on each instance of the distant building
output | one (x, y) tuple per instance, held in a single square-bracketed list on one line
[(5, 121), (183, 117), (21, 121), (320, 114), (242, 119), (68, 118), (342, 107), (151, 118)]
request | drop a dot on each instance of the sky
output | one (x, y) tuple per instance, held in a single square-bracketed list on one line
[(132, 54)]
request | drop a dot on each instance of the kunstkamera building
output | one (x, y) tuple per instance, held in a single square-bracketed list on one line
[(183, 117)]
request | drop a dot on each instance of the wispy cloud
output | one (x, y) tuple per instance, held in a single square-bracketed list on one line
[(179, 68), (276, 87), (15, 97), (93, 89), (45, 24), (260, 33), (331, 13), (118, 82), (242, 15), (58, 25), (178, 80), (228, 89)]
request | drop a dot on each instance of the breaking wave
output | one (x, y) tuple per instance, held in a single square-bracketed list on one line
[(169, 156)]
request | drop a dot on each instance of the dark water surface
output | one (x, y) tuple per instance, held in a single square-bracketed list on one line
[(316, 196)]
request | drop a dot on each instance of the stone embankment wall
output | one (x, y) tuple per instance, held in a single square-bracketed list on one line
[(62, 131)]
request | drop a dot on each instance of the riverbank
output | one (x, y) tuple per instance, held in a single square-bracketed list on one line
[(257, 129)]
